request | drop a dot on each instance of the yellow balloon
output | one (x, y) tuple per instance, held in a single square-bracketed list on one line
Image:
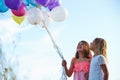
[(18, 19)]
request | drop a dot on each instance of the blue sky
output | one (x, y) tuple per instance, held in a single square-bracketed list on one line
[(33, 49)]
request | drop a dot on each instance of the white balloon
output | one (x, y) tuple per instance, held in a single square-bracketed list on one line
[(58, 13), (34, 16), (46, 20)]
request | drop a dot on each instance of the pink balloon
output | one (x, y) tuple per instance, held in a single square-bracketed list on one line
[(21, 10)]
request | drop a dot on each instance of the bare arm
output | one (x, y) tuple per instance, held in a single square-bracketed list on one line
[(105, 71), (70, 70), (86, 75)]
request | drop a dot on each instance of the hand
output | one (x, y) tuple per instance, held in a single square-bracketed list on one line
[(64, 63)]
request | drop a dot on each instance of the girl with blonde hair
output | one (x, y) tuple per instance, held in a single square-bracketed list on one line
[(98, 66)]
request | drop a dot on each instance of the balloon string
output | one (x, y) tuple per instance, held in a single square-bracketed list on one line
[(63, 77), (55, 45)]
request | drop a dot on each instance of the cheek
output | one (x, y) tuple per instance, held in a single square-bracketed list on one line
[(91, 47), (79, 48)]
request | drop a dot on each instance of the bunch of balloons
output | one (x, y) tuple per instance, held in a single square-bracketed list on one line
[(32, 10)]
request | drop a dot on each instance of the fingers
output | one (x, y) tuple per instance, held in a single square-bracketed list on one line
[(64, 62)]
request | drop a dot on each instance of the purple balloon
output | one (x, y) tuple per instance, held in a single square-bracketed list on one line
[(53, 5), (43, 2), (53, 1), (13, 4)]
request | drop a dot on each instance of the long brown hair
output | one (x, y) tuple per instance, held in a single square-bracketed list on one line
[(86, 51)]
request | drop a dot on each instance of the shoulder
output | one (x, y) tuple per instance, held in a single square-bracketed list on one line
[(98, 57), (73, 60), (101, 59)]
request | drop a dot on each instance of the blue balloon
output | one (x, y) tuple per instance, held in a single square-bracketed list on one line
[(30, 2), (26, 2), (3, 7)]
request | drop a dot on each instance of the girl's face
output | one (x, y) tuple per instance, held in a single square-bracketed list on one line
[(92, 45), (80, 46)]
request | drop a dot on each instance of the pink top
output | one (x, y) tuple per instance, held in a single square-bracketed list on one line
[(80, 68)]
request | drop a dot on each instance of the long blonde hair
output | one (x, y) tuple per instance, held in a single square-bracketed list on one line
[(101, 46)]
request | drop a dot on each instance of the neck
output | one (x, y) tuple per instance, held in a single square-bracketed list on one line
[(81, 55), (96, 52)]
